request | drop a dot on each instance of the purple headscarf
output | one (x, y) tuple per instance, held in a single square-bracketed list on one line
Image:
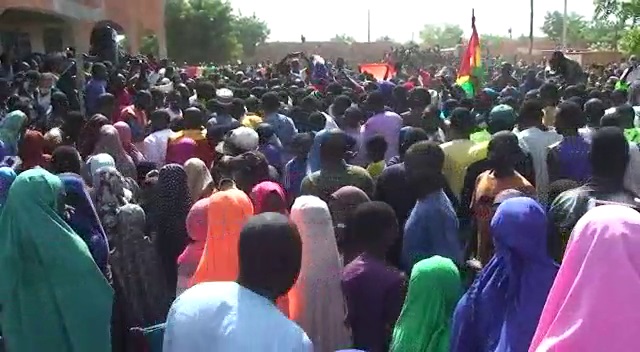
[(500, 311)]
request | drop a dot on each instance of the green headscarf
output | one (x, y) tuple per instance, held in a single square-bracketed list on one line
[(424, 324), (53, 296), (10, 128)]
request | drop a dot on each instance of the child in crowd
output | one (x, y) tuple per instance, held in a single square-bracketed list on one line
[(376, 148), (295, 169)]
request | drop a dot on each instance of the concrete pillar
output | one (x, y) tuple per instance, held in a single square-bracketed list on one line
[(162, 34), (133, 37)]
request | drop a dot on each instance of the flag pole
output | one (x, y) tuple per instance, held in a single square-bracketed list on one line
[(369, 26)]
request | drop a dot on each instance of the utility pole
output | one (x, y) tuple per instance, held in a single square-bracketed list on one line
[(565, 19)]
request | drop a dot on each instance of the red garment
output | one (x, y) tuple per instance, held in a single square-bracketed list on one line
[(123, 99), (31, 151), (203, 151), (426, 78)]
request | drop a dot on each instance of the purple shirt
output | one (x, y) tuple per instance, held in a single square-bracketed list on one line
[(387, 124), (374, 294)]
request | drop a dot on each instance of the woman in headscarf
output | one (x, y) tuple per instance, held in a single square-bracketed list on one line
[(124, 131), (170, 208), (90, 133), (342, 204), (316, 302), (7, 176), (500, 310), (197, 231), (424, 324), (268, 196), (181, 151), (31, 151), (109, 142), (52, 294), (142, 298), (198, 178), (590, 306), (11, 129), (66, 158), (229, 209), (84, 220)]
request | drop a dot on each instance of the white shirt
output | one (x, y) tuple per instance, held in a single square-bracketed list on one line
[(226, 317), (537, 142), (155, 146), (632, 174)]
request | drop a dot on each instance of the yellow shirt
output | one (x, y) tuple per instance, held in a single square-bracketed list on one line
[(457, 158), (375, 169)]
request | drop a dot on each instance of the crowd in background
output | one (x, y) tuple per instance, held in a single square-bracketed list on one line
[(302, 206)]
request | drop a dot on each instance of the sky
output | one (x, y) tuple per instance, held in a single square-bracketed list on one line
[(321, 20)]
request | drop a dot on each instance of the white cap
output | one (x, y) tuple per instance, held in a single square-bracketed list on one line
[(241, 139)]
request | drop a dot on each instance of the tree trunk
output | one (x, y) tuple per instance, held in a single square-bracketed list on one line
[(531, 29)]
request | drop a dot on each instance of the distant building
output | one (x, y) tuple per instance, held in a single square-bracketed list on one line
[(51, 25)]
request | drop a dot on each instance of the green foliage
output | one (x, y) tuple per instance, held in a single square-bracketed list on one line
[(621, 16), (343, 38), (630, 42), (201, 31), (576, 27), (445, 36), (150, 46)]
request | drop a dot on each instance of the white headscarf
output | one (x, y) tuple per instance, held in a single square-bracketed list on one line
[(316, 300), (198, 177)]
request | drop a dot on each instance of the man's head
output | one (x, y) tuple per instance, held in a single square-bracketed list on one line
[(423, 163), (501, 118), (248, 169), (269, 255), (373, 226), (506, 69), (353, 117), (270, 103), (618, 97), (5, 89), (609, 154), (530, 114), (594, 110), (59, 103), (419, 98), (375, 102), (99, 71), (333, 147), (301, 144), (160, 120), (340, 104), (462, 122), (549, 94), (193, 119), (143, 100), (504, 151), (569, 118)]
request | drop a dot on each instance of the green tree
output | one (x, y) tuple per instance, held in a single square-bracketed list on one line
[(201, 31), (554, 22), (250, 32), (630, 42), (620, 14), (150, 45), (343, 38), (445, 36)]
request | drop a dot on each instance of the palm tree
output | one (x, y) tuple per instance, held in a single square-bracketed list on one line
[(531, 28)]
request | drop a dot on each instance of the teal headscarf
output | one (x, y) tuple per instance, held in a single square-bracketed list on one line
[(10, 128), (7, 176), (53, 296), (424, 324)]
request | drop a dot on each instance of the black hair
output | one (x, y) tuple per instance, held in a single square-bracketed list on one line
[(531, 112), (270, 102), (559, 186), (609, 153), (626, 114), (376, 148), (462, 121), (370, 224), (569, 117), (594, 110), (549, 94), (419, 98), (504, 152), (423, 164), (269, 255)]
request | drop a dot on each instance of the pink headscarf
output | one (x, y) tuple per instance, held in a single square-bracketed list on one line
[(260, 192), (181, 151), (197, 230), (124, 131), (591, 304)]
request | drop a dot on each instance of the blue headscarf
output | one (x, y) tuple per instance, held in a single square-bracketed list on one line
[(7, 176), (500, 311), (84, 219), (10, 128)]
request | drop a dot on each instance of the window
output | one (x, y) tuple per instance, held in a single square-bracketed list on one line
[(52, 40)]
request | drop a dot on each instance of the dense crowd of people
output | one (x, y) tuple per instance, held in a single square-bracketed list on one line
[(305, 207)]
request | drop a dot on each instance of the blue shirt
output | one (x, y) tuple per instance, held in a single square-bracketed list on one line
[(94, 89), (283, 126), (431, 229), (294, 172)]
